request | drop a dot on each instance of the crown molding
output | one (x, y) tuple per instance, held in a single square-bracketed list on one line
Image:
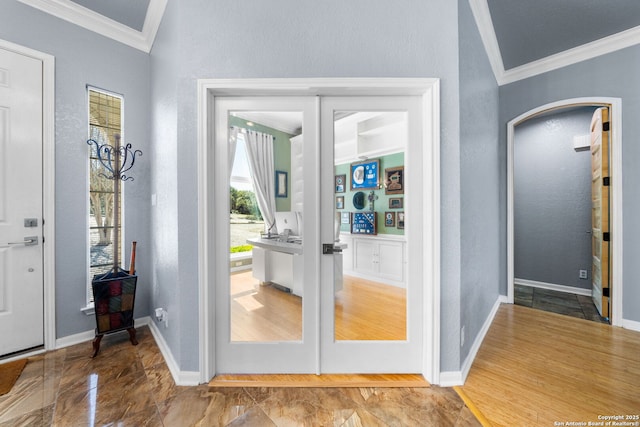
[(581, 53), (482, 15), (90, 20)]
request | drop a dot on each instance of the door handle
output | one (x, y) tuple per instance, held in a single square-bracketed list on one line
[(28, 241), (329, 249)]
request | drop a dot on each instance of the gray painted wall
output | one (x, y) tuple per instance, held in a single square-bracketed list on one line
[(615, 75), (552, 199), (479, 182), (83, 57), (288, 38)]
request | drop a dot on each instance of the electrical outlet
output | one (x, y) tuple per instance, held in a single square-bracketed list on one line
[(462, 337), (583, 274)]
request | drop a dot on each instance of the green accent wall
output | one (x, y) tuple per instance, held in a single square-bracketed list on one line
[(381, 205), (281, 155)]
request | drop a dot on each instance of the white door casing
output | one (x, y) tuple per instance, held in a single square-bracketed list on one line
[(617, 236), (428, 195), (21, 255)]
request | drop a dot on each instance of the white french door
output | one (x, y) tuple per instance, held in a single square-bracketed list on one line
[(297, 309), (261, 328), (359, 306)]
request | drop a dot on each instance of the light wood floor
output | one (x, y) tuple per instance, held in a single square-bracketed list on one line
[(364, 310), (538, 368), (319, 381)]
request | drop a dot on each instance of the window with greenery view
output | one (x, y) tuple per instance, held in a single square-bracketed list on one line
[(246, 220), (105, 121)]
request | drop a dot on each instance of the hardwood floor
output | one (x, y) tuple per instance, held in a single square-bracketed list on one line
[(539, 368), (365, 310), (263, 313), (319, 381)]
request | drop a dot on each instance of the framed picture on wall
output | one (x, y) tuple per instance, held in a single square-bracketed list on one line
[(389, 219), (281, 184), (365, 175), (401, 220), (345, 218), (394, 180), (364, 223), (340, 202), (395, 203), (340, 183)]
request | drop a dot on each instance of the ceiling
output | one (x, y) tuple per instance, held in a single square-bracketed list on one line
[(132, 22), (522, 38)]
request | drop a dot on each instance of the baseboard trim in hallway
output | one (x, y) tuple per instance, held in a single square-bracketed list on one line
[(325, 380)]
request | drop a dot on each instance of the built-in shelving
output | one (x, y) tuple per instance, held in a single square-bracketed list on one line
[(369, 134)]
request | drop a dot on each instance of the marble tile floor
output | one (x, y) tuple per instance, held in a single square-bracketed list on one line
[(579, 306), (131, 386)]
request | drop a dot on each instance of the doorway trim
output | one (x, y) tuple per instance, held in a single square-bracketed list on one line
[(615, 104), (428, 89), (48, 187)]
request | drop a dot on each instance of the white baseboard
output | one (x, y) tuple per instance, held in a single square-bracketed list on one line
[(553, 287), (451, 378), (181, 378), (631, 324), (81, 337), (466, 366), (456, 378)]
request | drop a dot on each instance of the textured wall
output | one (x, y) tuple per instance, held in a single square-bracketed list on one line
[(552, 199), (614, 75), (83, 57), (287, 38), (479, 183)]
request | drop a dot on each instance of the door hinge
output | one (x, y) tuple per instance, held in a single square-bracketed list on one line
[(606, 236), (605, 126), (605, 292), (605, 181)]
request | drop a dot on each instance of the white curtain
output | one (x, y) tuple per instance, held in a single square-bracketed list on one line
[(233, 143), (260, 153)]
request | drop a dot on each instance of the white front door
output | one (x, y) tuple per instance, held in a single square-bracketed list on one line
[(295, 309), (21, 256)]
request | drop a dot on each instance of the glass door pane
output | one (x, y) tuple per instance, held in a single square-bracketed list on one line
[(371, 302), (265, 226), (266, 304), (369, 158)]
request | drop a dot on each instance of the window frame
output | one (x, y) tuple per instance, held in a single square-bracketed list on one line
[(88, 309)]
